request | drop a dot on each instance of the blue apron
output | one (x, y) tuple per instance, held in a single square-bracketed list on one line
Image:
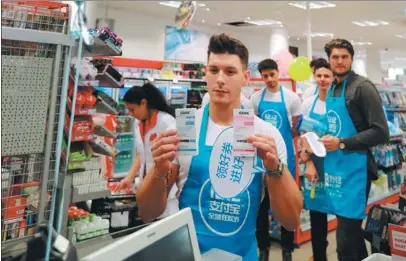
[(345, 172), (227, 224), (320, 202), (277, 114)]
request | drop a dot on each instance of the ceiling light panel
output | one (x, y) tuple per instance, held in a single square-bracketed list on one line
[(176, 4), (313, 4), (322, 35), (361, 43), (401, 35), (260, 22), (369, 22)]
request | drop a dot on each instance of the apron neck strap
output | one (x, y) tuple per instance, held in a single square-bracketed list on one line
[(344, 87), (314, 104)]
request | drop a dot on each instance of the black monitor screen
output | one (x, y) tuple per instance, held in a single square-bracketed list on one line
[(176, 246)]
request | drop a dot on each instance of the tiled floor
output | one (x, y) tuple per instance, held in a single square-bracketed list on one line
[(305, 251)]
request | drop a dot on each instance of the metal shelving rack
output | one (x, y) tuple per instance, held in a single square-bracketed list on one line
[(35, 57), (76, 192)]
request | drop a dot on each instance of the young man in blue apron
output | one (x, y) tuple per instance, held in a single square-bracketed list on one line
[(281, 107), (356, 123), (222, 220), (313, 90)]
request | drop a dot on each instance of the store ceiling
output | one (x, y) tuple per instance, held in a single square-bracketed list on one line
[(337, 20)]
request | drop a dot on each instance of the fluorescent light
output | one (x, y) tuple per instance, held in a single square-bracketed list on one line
[(202, 21), (207, 9), (322, 35), (369, 22), (361, 43), (175, 4), (312, 4), (218, 24), (263, 22), (401, 35), (400, 58), (298, 38), (248, 18)]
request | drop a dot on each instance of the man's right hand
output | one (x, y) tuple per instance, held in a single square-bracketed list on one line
[(164, 150)]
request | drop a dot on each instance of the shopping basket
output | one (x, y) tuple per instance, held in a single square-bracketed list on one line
[(376, 229)]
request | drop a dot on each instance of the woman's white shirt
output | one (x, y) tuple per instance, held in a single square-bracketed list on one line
[(164, 120)]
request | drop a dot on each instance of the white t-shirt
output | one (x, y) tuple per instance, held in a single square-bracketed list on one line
[(164, 120), (261, 127), (292, 101), (309, 92), (244, 100), (319, 107)]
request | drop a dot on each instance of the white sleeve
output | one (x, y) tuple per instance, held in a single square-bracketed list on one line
[(295, 109), (280, 146), (304, 108), (255, 98)]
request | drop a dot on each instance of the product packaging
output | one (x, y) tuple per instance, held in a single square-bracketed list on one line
[(243, 129), (186, 128)]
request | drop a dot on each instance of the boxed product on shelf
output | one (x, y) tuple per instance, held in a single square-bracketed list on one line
[(79, 151), (82, 125), (86, 225), (87, 177)]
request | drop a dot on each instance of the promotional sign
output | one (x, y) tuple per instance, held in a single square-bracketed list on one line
[(231, 175), (397, 241)]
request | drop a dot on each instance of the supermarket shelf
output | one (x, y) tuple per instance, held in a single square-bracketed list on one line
[(126, 133), (28, 35), (104, 107), (103, 131), (80, 111), (106, 80), (76, 197), (101, 147), (102, 48), (376, 200)]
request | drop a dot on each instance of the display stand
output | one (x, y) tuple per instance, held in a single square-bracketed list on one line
[(90, 136), (35, 58)]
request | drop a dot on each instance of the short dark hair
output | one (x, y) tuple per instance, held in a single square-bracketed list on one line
[(222, 43), (338, 43), (321, 63), (316, 62), (267, 64)]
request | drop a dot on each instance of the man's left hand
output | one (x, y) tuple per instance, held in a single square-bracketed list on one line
[(330, 142), (267, 150)]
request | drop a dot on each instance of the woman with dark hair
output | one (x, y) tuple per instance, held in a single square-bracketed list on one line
[(318, 204), (153, 116)]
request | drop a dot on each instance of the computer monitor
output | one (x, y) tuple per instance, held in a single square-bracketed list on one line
[(170, 239)]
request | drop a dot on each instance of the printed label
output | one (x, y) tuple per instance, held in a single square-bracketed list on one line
[(334, 123), (272, 117), (243, 128), (231, 175), (186, 128)]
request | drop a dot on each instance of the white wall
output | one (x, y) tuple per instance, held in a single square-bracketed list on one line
[(144, 36)]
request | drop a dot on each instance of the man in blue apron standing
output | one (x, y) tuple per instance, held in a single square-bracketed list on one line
[(223, 220), (356, 123), (281, 107)]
